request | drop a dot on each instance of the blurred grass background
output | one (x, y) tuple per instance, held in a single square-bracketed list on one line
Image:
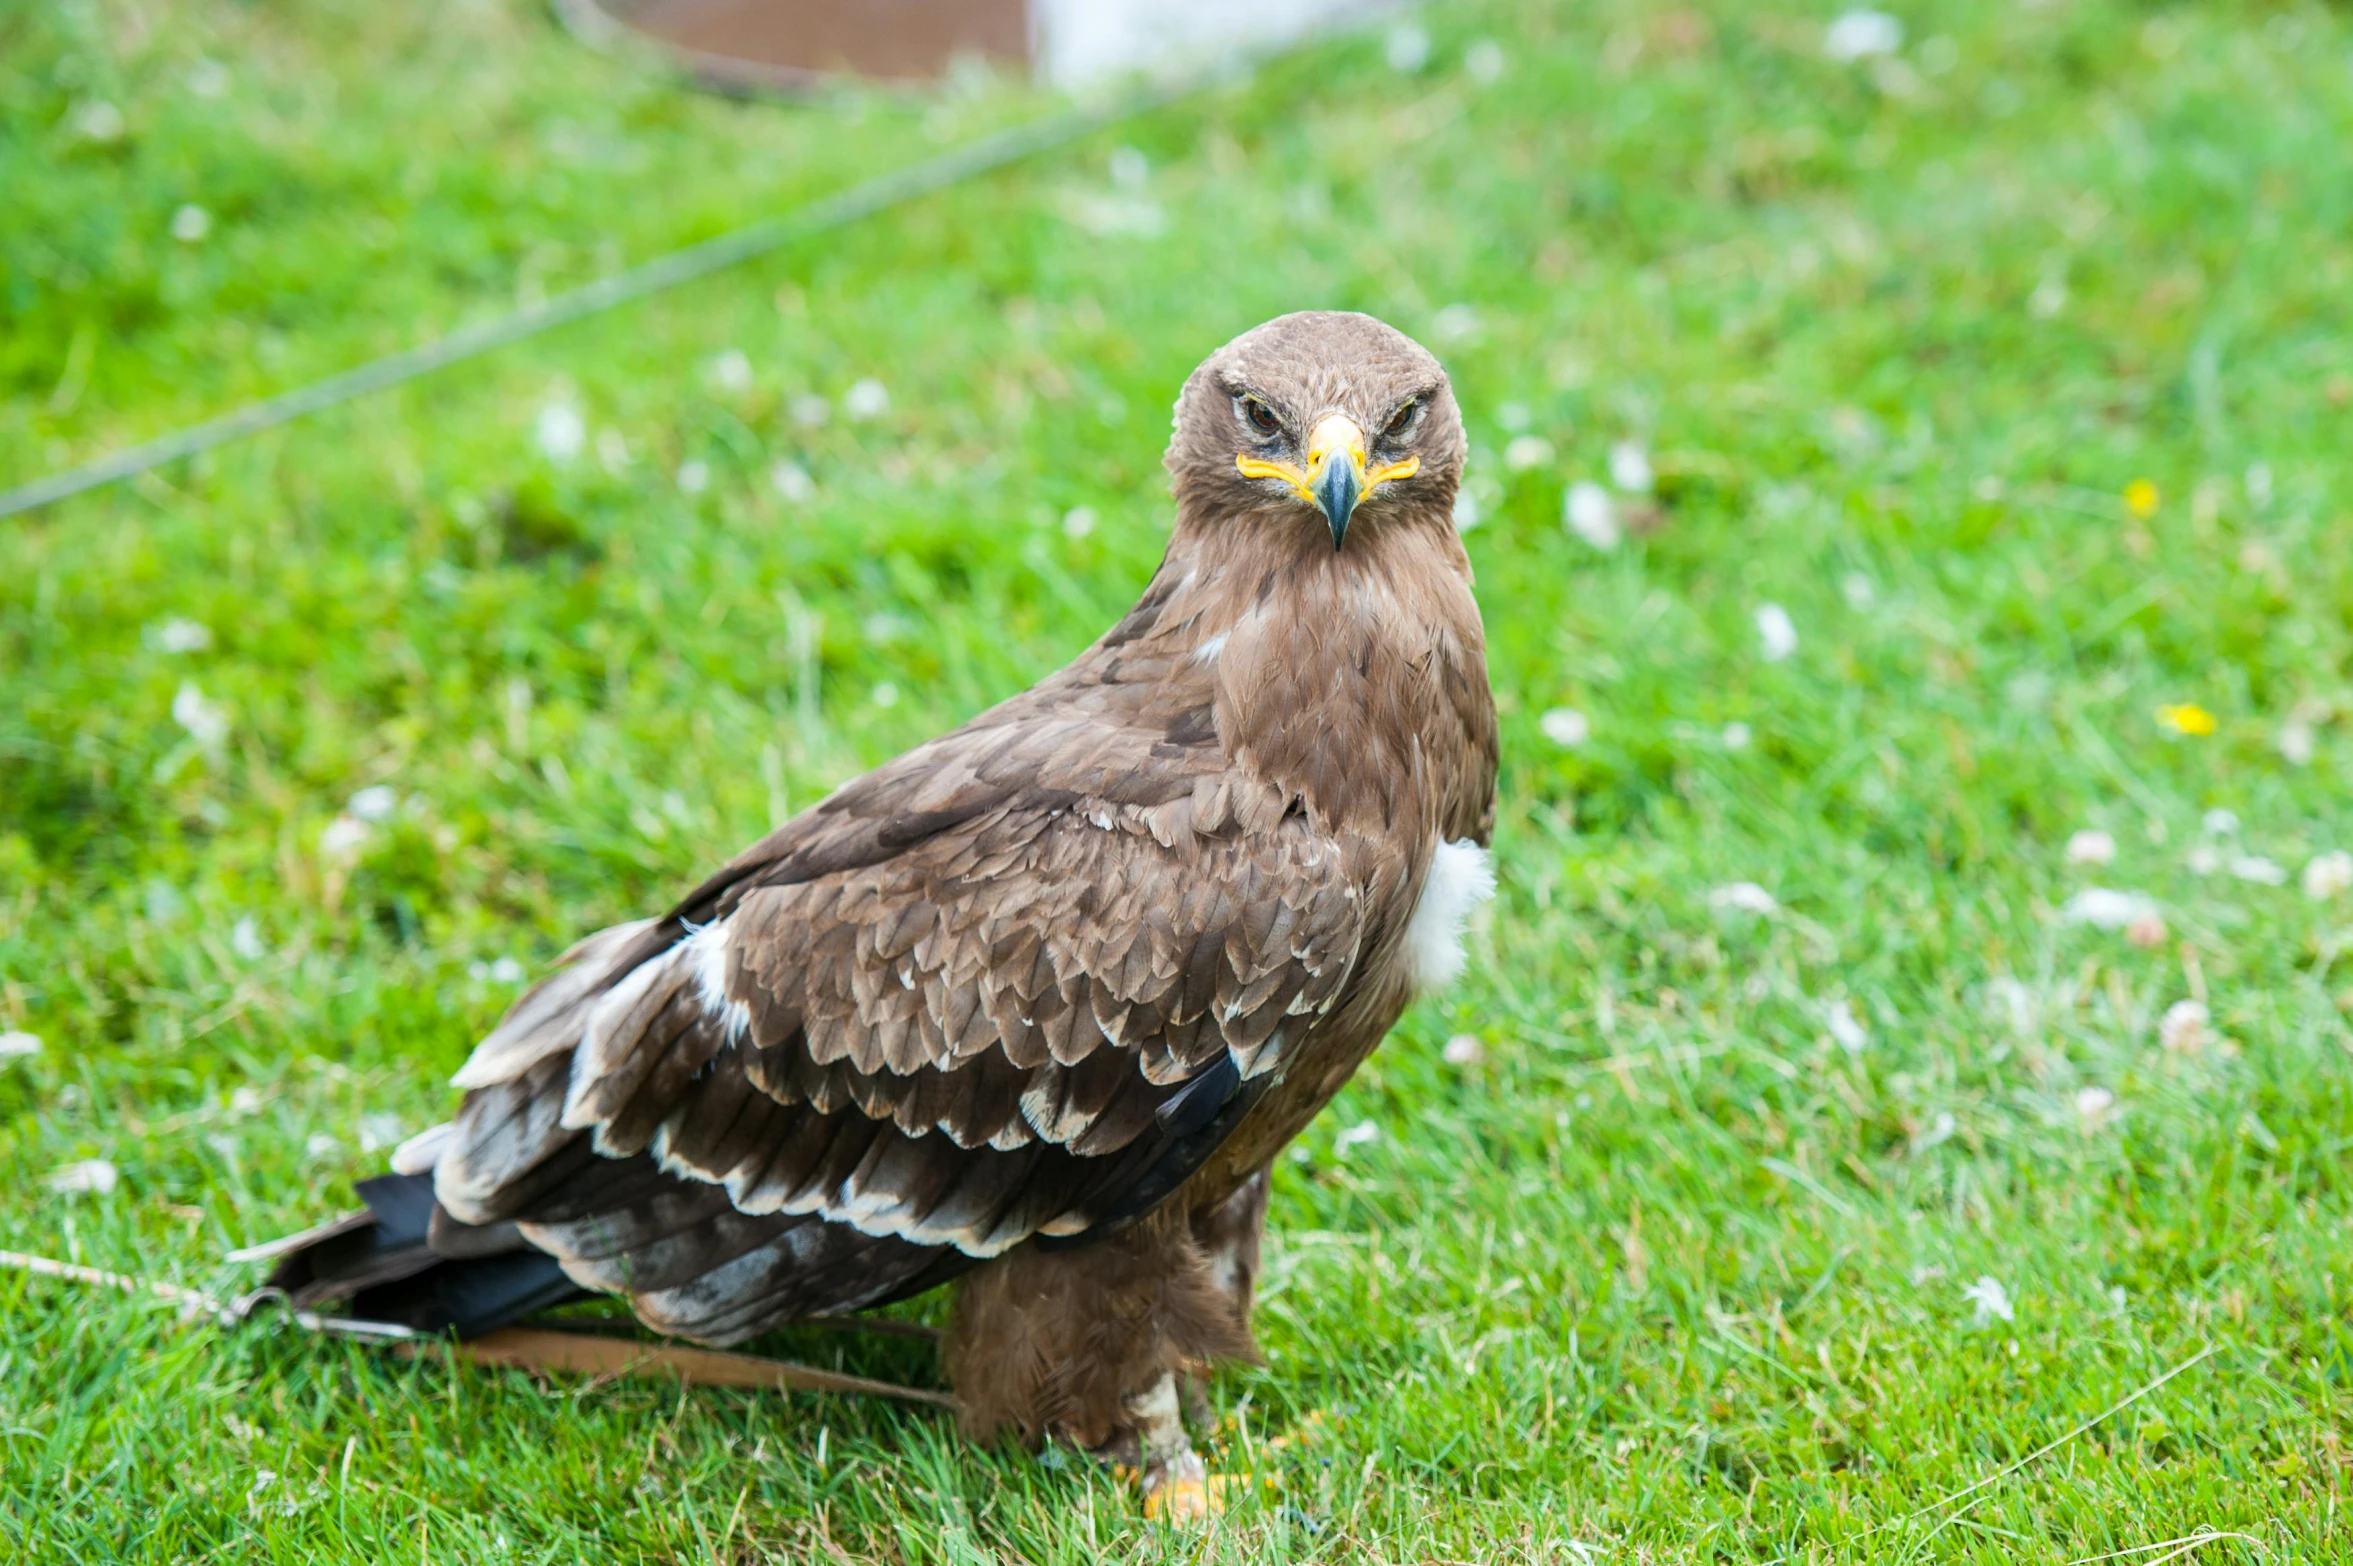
[(310, 750)]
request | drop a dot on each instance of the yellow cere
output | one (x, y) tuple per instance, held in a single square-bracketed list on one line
[(1332, 436)]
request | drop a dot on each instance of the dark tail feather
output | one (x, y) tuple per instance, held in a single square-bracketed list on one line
[(405, 1260)]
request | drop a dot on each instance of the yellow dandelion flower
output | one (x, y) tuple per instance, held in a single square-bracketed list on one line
[(2140, 498), (2186, 718)]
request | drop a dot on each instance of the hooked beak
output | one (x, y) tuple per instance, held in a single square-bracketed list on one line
[(1336, 480), (1335, 471)]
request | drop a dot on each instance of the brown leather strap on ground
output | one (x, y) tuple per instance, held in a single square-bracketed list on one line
[(589, 1354), (514, 1348)]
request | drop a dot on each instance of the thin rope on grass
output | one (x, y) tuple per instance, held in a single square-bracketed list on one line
[(985, 155), (2175, 1549), (2048, 1447)]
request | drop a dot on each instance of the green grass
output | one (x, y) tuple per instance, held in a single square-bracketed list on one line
[(1671, 1275)]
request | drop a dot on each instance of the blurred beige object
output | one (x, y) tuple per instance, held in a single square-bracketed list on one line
[(795, 45)]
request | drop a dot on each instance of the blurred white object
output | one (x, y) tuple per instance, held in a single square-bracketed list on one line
[(560, 431), (2091, 847), (2328, 875), (1592, 515), (1846, 1027), (94, 1176), (2106, 909), (1407, 47), (1077, 43), (1863, 35), (1630, 467), (2183, 1028), (1776, 632), (1746, 897), (1990, 1299), (1566, 726), (18, 1045)]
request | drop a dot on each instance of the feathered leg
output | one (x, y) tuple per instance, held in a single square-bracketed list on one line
[(1085, 1346), (1229, 1235)]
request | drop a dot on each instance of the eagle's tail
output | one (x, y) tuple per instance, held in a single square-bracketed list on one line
[(403, 1260)]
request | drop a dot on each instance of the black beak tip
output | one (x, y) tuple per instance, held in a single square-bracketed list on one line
[(1336, 495)]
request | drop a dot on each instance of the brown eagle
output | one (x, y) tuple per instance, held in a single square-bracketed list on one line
[(1034, 1006)]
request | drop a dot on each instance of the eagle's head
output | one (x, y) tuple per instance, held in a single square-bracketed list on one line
[(1330, 416)]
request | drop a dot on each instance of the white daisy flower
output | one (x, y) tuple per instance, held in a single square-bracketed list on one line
[(867, 399)]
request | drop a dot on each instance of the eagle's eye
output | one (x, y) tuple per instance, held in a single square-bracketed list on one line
[(1401, 422), (1260, 417)]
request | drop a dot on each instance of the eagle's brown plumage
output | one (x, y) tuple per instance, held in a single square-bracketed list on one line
[(1040, 1000)]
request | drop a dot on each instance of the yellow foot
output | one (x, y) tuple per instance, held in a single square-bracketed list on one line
[(1182, 1490), (1186, 1500)]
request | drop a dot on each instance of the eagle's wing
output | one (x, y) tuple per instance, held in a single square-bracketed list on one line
[(1020, 982)]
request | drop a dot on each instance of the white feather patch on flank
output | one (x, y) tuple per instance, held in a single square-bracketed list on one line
[(1207, 652), (1460, 879), (706, 952)]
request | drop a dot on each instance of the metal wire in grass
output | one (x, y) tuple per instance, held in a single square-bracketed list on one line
[(997, 150)]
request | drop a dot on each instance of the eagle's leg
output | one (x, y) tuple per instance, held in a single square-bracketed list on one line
[(1230, 1234), (1085, 1346), (1175, 1479)]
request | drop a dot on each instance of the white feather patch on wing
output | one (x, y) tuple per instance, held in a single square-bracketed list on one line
[(707, 950), (421, 1152), (1460, 879), (549, 1018)]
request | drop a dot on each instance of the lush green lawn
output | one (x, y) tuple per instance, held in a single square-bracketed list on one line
[(1680, 1268)]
